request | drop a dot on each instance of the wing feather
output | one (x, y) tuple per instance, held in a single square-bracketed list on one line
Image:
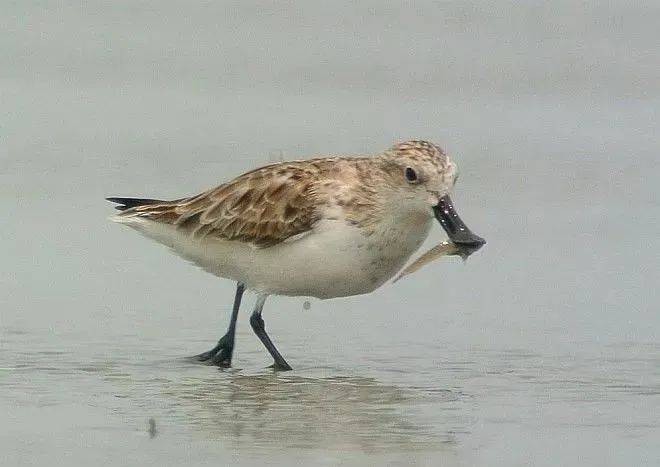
[(264, 207)]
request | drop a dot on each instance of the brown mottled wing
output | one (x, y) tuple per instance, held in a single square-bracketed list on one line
[(264, 207)]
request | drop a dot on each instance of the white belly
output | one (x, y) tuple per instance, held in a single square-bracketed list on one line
[(333, 260)]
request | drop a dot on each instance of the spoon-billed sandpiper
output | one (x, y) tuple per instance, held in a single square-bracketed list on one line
[(325, 228)]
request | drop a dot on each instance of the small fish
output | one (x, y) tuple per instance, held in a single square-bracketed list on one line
[(445, 248)]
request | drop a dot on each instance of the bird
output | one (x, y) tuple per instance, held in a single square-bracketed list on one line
[(325, 227)]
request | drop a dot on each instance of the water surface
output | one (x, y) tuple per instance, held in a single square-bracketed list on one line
[(541, 350)]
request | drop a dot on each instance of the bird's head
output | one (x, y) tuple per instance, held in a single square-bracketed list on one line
[(425, 176)]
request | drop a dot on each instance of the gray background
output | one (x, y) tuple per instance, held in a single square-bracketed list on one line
[(541, 350)]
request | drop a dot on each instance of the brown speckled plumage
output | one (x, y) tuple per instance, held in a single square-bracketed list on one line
[(274, 203)]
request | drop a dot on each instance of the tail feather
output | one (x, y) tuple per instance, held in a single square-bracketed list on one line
[(127, 203)]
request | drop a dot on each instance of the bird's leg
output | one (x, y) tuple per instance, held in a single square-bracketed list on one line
[(221, 354), (257, 323)]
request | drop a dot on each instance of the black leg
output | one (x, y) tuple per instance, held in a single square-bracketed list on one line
[(221, 354), (257, 323)]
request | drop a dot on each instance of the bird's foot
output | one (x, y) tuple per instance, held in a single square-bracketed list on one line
[(281, 366), (220, 355)]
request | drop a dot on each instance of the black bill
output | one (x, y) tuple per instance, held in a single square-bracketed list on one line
[(465, 241)]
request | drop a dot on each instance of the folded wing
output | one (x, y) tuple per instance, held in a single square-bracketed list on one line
[(263, 208)]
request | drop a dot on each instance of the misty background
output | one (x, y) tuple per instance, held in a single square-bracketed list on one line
[(541, 350)]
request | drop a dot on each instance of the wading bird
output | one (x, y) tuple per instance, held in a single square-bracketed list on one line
[(325, 228)]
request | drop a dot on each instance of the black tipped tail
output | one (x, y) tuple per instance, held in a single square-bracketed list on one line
[(127, 203)]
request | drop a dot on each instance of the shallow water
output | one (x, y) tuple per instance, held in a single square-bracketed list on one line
[(542, 349)]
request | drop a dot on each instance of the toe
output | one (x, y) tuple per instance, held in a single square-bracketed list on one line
[(222, 359), (204, 356), (282, 366)]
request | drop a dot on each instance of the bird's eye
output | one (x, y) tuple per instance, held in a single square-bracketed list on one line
[(411, 175)]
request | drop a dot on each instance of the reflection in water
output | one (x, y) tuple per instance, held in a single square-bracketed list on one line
[(292, 411), (309, 411), (264, 410)]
